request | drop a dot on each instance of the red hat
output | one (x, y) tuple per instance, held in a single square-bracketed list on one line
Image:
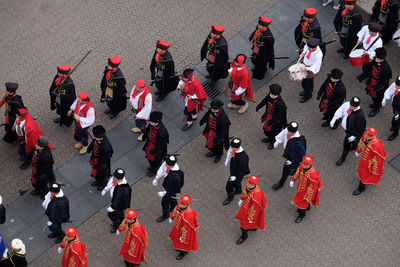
[(131, 214), (185, 199), (310, 12), (140, 84), (264, 21), (71, 231), (217, 29), (63, 69), (308, 160), (83, 96), (371, 131), (252, 179), (22, 112), (240, 59), (114, 61), (163, 45)]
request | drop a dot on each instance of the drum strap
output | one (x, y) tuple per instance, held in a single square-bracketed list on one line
[(373, 42)]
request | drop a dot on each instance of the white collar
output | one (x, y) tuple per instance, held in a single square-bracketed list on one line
[(297, 134), (356, 109), (175, 168), (60, 194), (240, 150), (124, 181)]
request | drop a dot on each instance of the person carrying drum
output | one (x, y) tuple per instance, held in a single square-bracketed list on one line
[(347, 22), (369, 37), (312, 59)]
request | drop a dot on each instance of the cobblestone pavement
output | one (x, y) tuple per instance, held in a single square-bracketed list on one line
[(343, 231)]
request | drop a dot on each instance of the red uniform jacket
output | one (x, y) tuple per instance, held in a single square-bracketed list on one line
[(370, 168), (252, 212), (135, 242), (192, 88), (241, 78), (74, 253), (308, 188), (184, 232)]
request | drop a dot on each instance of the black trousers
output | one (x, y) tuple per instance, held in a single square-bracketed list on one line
[(286, 171), (328, 116), (155, 164), (218, 149), (10, 136), (189, 115), (113, 108), (302, 212), (168, 203), (239, 102), (308, 86), (361, 187), (57, 230), (130, 264), (41, 186), (378, 99), (233, 187), (116, 216), (395, 124), (348, 146)]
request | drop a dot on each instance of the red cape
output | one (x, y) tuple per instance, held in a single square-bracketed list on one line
[(184, 232), (135, 242), (195, 87), (243, 79), (308, 188), (75, 253), (252, 209)]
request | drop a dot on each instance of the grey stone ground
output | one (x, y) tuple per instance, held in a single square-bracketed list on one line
[(343, 231)]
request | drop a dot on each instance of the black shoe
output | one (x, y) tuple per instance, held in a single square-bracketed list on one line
[(325, 124), (227, 201), (180, 256), (113, 230), (114, 225), (371, 105), (94, 183), (210, 154), (372, 113), (151, 173), (265, 140), (112, 116), (161, 218), (57, 120), (107, 111), (23, 166), (356, 192), (302, 93), (51, 235), (345, 56), (340, 50), (298, 219), (59, 240), (393, 136), (186, 127), (35, 193), (160, 98), (277, 186), (340, 161), (270, 146), (240, 240), (304, 99), (217, 158), (337, 122), (149, 168)]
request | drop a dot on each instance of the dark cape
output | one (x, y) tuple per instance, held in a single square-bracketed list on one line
[(355, 24), (44, 166), (2, 214), (118, 102), (392, 10), (121, 199), (239, 166), (15, 103), (385, 74), (278, 121), (14, 260), (105, 153), (222, 127), (161, 143), (220, 49), (355, 124), (313, 30), (266, 54), (295, 150), (337, 97), (67, 94), (58, 210), (169, 81), (173, 182)]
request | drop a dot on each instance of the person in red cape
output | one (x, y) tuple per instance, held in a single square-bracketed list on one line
[(240, 83), (193, 95), (141, 100), (28, 133), (73, 249), (252, 205), (372, 161), (84, 114), (135, 240), (307, 189), (184, 231)]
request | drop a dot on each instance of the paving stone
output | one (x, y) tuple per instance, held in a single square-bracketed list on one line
[(283, 16), (35, 244), (26, 207), (80, 207), (76, 171), (13, 226)]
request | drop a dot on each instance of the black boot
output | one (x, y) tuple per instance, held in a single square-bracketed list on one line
[(238, 189), (280, 183), (359, 190), (394, 135), (217, 158), (243, 237), (164, 216), (181, 255), (342, 159), (229, 199)]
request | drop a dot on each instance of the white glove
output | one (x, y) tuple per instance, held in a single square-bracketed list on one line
[(226, 163), (109, 209), (240, 203), (357, 154), (170, 220), (383, 102), (103, 193), (396, 117), (250, 222), (49, 223), (60, 250), (288, 162), (5, 254), (291, 183), (162, 193), (233, 178), (180, 238), (351, 138), (117, 232), (332, 123), (155, 182), (276, 144)]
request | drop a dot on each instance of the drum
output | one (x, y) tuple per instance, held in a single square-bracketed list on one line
[(357, 57), (295, 74), (396, 36)]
